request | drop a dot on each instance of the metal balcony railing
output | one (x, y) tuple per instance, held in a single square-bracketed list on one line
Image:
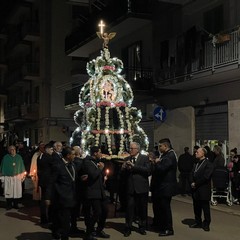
[(225, 50), (22, 112), (139, 78), (30, 28), (31, 69), (113, 11), (72, 96), (219, 51), (14, 77)]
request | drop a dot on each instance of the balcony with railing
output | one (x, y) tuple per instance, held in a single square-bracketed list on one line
[(25, 112), (31, 71), (139, 78), (15, 38), (119, 14), (14, 79), (220, 53), (30, 31), (72, 98)]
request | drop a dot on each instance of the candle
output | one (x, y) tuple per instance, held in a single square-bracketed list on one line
[(107, 172)]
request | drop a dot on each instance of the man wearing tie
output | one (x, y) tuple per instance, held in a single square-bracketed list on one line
[(61, 194), (136, 170)]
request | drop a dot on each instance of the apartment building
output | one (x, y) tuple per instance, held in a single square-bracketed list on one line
[(182, 55), (33, 69)]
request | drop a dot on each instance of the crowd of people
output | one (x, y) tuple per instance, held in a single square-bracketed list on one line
[(66, 183)]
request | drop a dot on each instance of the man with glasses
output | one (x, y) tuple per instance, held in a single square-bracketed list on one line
[(136, 170)]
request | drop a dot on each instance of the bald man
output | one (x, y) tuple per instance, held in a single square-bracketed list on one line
[(201, 187)]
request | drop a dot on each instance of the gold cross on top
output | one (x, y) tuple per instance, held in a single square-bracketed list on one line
[(101, 26)]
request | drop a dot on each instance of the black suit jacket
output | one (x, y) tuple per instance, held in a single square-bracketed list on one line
[(164, 180), (44, 169), (201, 175), (56, 157), (94, 183), (61, 190), (137, 177)]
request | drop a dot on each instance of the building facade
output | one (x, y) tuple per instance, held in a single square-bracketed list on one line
[(182, 55)]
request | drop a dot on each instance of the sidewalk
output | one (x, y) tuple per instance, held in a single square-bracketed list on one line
[(222, 207)]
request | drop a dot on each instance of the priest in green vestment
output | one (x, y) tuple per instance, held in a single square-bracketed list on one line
[(12, 172)]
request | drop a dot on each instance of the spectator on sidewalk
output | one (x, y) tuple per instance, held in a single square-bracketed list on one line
[(185, 165), (234, 168), (219, 160)]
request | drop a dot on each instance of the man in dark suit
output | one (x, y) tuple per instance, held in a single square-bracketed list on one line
[(44, 172), (61, 194), (185, 165), (201, 187), (80, 191), (95, 206), (136, 170), (57, 152), (164, 185)]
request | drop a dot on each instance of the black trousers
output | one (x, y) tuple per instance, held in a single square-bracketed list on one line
[(61, 221), (200, 206), (45, 211), (137, 204), (155, 208), (96, 211), (164, 213), (184, 181)]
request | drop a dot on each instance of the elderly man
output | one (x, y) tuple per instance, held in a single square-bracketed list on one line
[(136, 169), (13, 173), (57, 152), (201, 187)]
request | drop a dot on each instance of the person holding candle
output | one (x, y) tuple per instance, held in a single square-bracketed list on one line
[(12, 175), (33, 170)]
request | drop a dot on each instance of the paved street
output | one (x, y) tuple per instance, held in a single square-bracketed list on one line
[(23, 224)]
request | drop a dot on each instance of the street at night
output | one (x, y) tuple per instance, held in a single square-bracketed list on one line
[(23, 224)]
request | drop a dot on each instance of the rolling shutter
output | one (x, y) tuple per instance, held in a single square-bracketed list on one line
[(212, 122)]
